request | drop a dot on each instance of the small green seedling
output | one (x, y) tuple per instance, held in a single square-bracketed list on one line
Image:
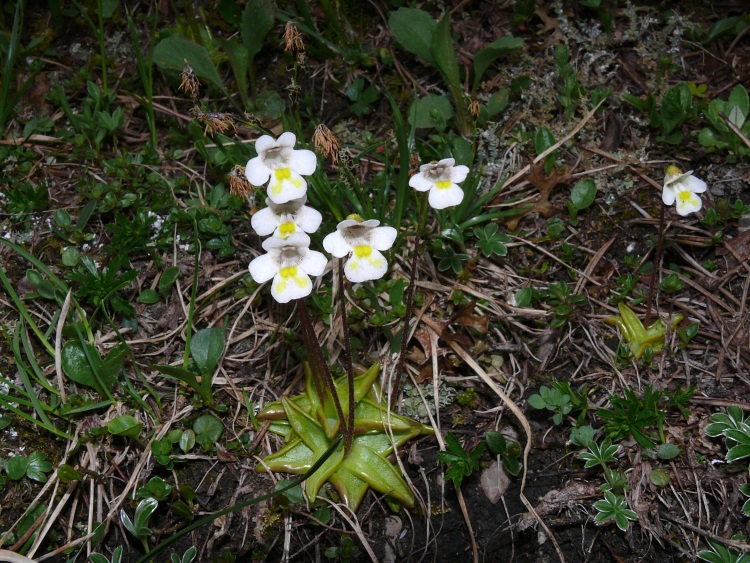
[(509, 451), (460, 464), (552, 400), (155, 488), (735, 429), (490, 241), (582, 196), (116, 556), (346, 551), (631, 415), (35, 467), (139, 525), (614, 507)]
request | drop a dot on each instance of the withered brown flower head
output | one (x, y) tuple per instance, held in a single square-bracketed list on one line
[(474, 108), (293, 39), (213, 122), (326, 142), (190, 84), (238, 184)]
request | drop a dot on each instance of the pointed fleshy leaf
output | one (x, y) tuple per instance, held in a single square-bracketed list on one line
[(306, 428), (317, 479), (295, 458), (351, 488), (378, 473)]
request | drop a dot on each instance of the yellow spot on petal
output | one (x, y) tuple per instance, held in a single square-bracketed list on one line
[(673, 172), (282, 174), (286, 229), (363, 251), (355, 217), (443, 184)]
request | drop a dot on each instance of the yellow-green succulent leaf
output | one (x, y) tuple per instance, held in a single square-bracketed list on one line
[(306, 428), (315, 481), (378, 473), (351, 488), (633, 324), (369, 416), (295, 458)]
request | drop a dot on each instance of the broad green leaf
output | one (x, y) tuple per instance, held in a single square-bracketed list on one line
[(543, 140), (207, 428), (15, 467), (149, 297), (125, 425), (431, 111), (485, 57), (414, 30), (187, 441), (38, 467), (168, 279), (739, 99), (207, 347), (444, 54), (736, 117), (583, 194), (675, 107), (67, 473), (668, 451), (171, 53), (76, 365), (660, 477), (257, 21)]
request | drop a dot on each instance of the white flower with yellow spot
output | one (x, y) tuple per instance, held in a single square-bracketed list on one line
[(363, 242), (442, 179), (278, 162), (284, 219), (290, 263), (681, 189)]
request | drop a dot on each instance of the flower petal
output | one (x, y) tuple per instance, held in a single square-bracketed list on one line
[(459, 173), (314, 263), (687, 202), (293, 286), (308, 219), (303, 162), (667, 195), (286, 185), (256, 172), (335, 244), (264, 222), (382, 238), (695, 185), (263, 268), (440, 198), (420, 183), (287, 139), (365, 266)]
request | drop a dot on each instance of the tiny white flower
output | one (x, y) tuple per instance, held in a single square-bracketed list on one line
[(441, 178), (290, 263), (284, 219), (682, 189), (278, 162), (363, 241)]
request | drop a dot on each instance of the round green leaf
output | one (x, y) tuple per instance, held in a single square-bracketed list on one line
[(207, 347), (149, 297), (15, 467), (208, 427), (125, 425), (660, 477), (187, 441), (583, 194), (70, 256), (668, 451), (37, 467), (496, 442), (67, 473)]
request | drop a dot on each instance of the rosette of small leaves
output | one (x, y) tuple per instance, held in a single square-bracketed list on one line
[(722, 554), (460, 464), (552, 400), (490, 241), (614, 507), (736, 431), (138, 526)]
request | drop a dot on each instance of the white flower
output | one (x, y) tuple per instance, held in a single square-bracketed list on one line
[(682, 188), (278, 161), (441, 178), (284, 219), (363, 240), (290, 263)]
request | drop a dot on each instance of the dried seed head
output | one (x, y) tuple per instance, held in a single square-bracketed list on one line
[(213, 122), (293, 39), (238, 184), (327, 143), (474, 108), (190, 84)]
